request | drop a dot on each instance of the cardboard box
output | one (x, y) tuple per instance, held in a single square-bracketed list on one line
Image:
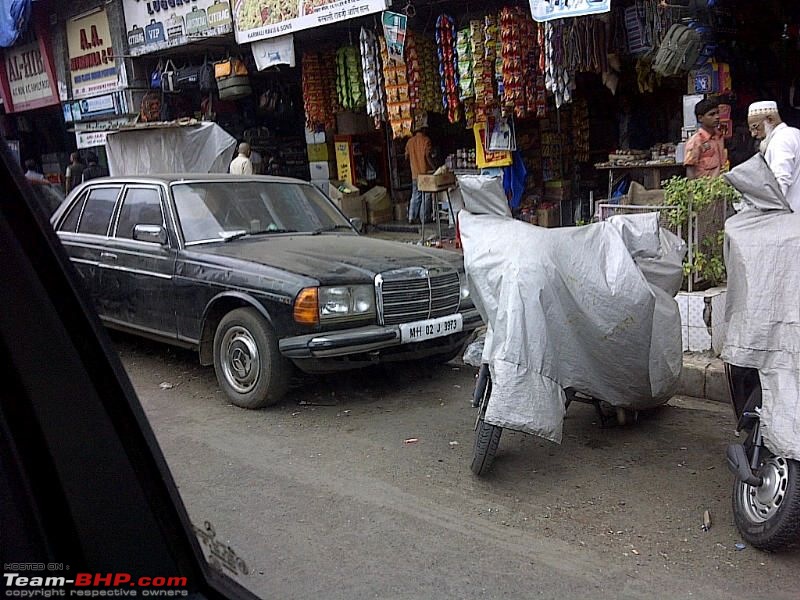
[(318, 152), (434, 183), (315, 137), (548, 215), (349, 200), (352, 123), (379, 206), (401, 211), (321, 169)]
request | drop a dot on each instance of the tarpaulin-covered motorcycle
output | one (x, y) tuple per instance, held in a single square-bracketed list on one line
[(762, 357), (579, 313)]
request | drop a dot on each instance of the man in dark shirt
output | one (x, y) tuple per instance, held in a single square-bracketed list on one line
[(93, 171)]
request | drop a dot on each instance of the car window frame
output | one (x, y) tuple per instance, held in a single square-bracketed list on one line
[(126, 187), (114, 210), (80, 199)]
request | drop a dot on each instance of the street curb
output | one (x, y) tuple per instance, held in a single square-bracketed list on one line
[(703, 377)]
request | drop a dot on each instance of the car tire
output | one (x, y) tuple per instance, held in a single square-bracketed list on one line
[(769, 518), (247, 361)]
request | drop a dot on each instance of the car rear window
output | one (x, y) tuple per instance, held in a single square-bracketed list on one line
[(97, 213), (70, 222)]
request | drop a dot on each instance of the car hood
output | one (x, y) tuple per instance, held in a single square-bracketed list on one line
[(333, 258)]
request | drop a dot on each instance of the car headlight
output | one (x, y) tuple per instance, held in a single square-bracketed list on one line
[(315, 305)]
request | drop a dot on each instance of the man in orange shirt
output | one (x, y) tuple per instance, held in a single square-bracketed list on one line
[(418, 153), (705, 150)]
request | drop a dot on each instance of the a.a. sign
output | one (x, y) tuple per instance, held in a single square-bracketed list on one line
[(27, 78), (547, 10), (90, 139), (92, 67), (261, 19), (158, 24)]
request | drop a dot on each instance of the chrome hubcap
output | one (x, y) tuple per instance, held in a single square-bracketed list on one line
[(762, 502), (240, 361)]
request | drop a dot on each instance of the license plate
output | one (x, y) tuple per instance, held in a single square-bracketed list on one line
[(419, 331)]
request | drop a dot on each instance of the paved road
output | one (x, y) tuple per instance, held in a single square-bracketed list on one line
[(324, 499)]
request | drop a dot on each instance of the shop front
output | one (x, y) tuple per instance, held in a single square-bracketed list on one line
[(99, 96), (32, 122)]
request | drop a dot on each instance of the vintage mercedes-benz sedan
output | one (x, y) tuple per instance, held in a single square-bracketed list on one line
[(258, 274)]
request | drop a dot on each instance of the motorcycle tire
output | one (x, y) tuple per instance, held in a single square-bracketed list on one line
[(487, 439), (768, 517)]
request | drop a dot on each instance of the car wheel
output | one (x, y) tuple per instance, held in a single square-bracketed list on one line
[(248, 364)]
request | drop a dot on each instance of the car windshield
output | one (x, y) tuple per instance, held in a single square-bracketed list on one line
[(210, 211)]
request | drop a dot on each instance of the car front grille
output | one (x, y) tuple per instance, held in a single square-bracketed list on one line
[(414, 294)]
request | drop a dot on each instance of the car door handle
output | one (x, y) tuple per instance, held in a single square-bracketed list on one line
[(108, 256)]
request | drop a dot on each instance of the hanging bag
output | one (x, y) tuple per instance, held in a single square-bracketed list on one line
[(155, 76), (169, 77), (188, 77), (207, 81), (679, 51), (232, 80)]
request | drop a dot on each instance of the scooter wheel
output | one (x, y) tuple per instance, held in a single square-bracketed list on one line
[(768, 516), (487, 438)]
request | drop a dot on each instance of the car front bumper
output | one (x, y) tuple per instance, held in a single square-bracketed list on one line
[(359, 340)]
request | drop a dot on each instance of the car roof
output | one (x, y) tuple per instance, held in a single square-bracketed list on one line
[(169, 178)]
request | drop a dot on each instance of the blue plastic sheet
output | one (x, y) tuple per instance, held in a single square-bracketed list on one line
[(14, 18)]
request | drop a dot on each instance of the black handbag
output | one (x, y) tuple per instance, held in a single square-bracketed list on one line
[(207, 81), (188, 77)]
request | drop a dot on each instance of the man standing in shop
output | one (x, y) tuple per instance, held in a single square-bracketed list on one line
[(418, 153), (94, 170), (74, 173), (780, 145), (705, 150), (241, 165)]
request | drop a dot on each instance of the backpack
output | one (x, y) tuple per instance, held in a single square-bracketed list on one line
[(679, 52)]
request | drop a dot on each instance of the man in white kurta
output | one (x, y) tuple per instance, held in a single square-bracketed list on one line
[(780, 145)]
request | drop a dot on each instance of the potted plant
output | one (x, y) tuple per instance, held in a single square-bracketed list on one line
[(700, 207)]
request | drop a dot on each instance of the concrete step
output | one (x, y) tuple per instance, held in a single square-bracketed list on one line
[(703, 376)]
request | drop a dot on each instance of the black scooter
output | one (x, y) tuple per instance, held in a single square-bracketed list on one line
[(766, 491)]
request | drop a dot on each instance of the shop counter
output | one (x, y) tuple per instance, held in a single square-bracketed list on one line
[(652, 173)]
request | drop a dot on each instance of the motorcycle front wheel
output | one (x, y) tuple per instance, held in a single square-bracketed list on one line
[(768, 516)]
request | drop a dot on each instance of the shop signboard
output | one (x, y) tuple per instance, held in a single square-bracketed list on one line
[(158, 24), (27, 78), (262, 19), (394, 30), (92, 66), (547, 10), (90, 139)]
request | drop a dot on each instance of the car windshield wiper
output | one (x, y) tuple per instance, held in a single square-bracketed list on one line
[(332, 228), (227, 236)]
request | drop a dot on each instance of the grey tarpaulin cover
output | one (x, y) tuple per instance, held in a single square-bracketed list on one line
[(762, 307), (572, 308), (202, 148)]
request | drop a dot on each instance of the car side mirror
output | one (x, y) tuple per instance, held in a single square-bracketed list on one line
[(155, 234), (357, 223)]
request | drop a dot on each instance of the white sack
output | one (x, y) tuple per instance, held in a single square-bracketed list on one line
[(203, 148), (570, 308), (762, 309)]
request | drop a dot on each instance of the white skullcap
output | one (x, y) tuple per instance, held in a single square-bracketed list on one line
[(765, 107)]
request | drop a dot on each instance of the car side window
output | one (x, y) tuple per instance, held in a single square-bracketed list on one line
[(97, 213), (141, 206), (70, 222)]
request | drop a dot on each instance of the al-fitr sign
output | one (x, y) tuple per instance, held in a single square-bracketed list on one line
[(261, 19), (158, 24)]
